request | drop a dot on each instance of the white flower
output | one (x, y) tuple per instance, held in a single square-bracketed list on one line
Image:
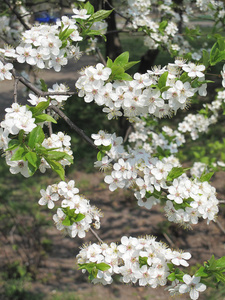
[(194, 70), (48, 197), (4, 71), (192, 285), (101, 138), (80, 14)]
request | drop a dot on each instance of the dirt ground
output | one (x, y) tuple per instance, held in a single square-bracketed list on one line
[(58, 272)]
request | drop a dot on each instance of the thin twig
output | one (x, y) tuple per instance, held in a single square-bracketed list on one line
[(219, 225), (19, 17), (49, 125), (117, 12), (16, 81), (96, 235), (101, 56), (79, 131), (128, 132), (171, 243)]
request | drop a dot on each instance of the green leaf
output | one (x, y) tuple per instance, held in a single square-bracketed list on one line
[(87, 266), (162, 26), (57, 167), (44, 86), (89, 8), (164, 89), (57, 155), (79, 217), (219, 277), (21, 136), (162, 80), (44, 118), (102, 266), (201, 272), (19, 154), (39, 108), (33, 159), (100, 15), (221, 262), (36, 136), (184, 77), (175, 173), (122, 59), (100, 155), (13, 144), (130, 64), (205, 58), (66, 221), (109, 63), (116, 70), (171, 277), (206, 176), (64, 34), (93, 32), (123, 76), (142, 261)]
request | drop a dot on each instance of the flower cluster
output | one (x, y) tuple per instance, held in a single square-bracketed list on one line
[(148, 16), (76, 215), (145, 137), (197, 198), (20, 119), (142, 260), (187, 200), (142, 94)]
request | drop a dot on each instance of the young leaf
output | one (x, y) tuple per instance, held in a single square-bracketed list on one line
[(79, 217), (122, 59), (123, 76), (162, 80), (39, 108), (35, 136), (109, 63), (174, 173), (19, 154), (57, 155), (130, 64), (89, 8), (66, 221), (102, 266), (33, 159), (143, 261), (57, 167), (206, 176), (44, 86), (13, 144), (44, 118), (100, 155), (100, 15)]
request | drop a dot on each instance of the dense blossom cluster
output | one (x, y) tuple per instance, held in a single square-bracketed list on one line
[(19, 118), (137, 260), (145, 137), (76, 215), (142, 94), (187, 199), (148, 16)]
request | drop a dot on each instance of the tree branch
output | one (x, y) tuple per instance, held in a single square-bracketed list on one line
[(96, 235), (16, 81), (19, 17), (79, 131)]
